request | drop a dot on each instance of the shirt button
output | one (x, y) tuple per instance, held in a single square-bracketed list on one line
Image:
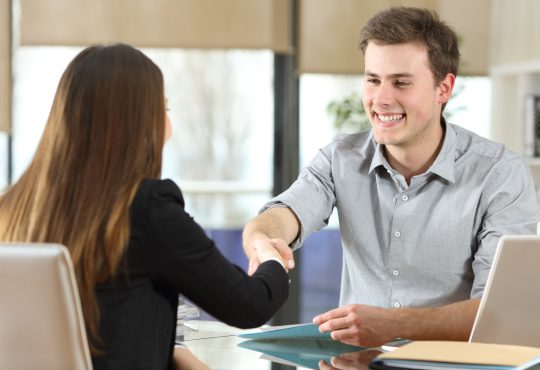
[(405, 198), (395, 272), (397, 234), (397, 304)]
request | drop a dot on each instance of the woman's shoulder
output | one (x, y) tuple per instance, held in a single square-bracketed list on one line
[(155, 192)]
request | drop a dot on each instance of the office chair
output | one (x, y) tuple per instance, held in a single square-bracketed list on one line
[(41, 321)]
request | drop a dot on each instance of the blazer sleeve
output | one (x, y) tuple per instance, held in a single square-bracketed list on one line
[(179, 254)]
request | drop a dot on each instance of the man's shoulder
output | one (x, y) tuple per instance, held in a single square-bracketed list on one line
[(359, 141), (480, 148)]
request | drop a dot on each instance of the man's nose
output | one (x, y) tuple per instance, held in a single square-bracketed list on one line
[(383, 95)]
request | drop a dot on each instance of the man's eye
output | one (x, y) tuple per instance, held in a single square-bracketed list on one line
[(372, 80), (401, 83)]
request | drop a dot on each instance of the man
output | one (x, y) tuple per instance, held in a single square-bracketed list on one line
[(421, 202)]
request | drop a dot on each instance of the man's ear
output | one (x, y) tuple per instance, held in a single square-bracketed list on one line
[(445, 88)]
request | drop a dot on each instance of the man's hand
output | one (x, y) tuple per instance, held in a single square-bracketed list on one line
[(369, 326), (265, 249), (275, 228), (351, 361), (358, 325)]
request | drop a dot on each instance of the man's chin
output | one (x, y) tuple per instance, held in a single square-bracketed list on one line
[(385, 139)]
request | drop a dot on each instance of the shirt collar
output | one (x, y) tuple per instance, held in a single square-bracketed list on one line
[(379, 158), (443, 165)]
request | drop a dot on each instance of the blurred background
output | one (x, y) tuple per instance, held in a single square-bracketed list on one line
[(255, 88)]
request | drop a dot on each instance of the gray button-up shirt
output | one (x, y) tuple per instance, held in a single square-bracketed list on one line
[(425, 244)]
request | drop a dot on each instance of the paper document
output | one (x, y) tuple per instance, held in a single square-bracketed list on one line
[(446, 355)]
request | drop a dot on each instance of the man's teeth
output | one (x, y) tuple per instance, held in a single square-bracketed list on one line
[(390, 118)]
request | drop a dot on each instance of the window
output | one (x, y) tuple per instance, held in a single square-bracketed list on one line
[(221, 107), (221, 151), (470, 105), (37, 71)]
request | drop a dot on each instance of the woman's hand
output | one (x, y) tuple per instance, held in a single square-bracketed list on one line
[(183, 359)]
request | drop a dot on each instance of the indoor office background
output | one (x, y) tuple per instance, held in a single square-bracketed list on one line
[(249, 85)]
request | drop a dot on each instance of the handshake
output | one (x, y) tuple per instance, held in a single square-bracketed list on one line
[(267, 237), (262, 249)]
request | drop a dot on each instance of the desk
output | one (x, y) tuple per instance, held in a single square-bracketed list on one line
[(216, 344)]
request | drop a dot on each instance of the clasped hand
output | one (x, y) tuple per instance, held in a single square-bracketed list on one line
[(268, 249)]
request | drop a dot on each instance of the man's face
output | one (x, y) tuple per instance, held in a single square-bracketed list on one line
[(400, 96)]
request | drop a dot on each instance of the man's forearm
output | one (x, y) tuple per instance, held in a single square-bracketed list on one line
[(371, 326), (450, 322), (274, 223)]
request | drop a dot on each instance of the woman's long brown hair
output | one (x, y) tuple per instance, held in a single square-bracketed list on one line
[(104, 134)]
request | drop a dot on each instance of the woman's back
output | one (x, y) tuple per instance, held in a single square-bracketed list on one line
[(168, 254)]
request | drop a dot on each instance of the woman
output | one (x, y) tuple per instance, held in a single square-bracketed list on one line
[(94, 186)]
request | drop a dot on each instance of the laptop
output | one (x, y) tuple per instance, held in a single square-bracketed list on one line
[(509, 311), (41, 322)]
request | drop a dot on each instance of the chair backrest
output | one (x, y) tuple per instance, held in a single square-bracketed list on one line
[(41, 321)]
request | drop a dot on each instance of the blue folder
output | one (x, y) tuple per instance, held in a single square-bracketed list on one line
[(300, 352), (301, 331), (300, 345)]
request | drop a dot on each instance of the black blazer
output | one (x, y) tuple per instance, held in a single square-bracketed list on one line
[(169, 253)]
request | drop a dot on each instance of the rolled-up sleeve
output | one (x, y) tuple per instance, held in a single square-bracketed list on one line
[(311, 197)]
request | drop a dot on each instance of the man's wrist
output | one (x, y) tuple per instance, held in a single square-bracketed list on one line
[(415, 322)]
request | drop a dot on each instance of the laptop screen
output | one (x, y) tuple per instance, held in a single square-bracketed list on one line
[(509, 311)]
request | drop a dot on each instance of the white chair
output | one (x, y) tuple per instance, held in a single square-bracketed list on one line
[(41, 321)]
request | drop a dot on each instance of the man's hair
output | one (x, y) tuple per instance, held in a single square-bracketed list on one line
[(400, 25)]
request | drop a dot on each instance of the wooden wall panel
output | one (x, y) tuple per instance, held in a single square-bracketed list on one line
[(328, 36), (261, 24)]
